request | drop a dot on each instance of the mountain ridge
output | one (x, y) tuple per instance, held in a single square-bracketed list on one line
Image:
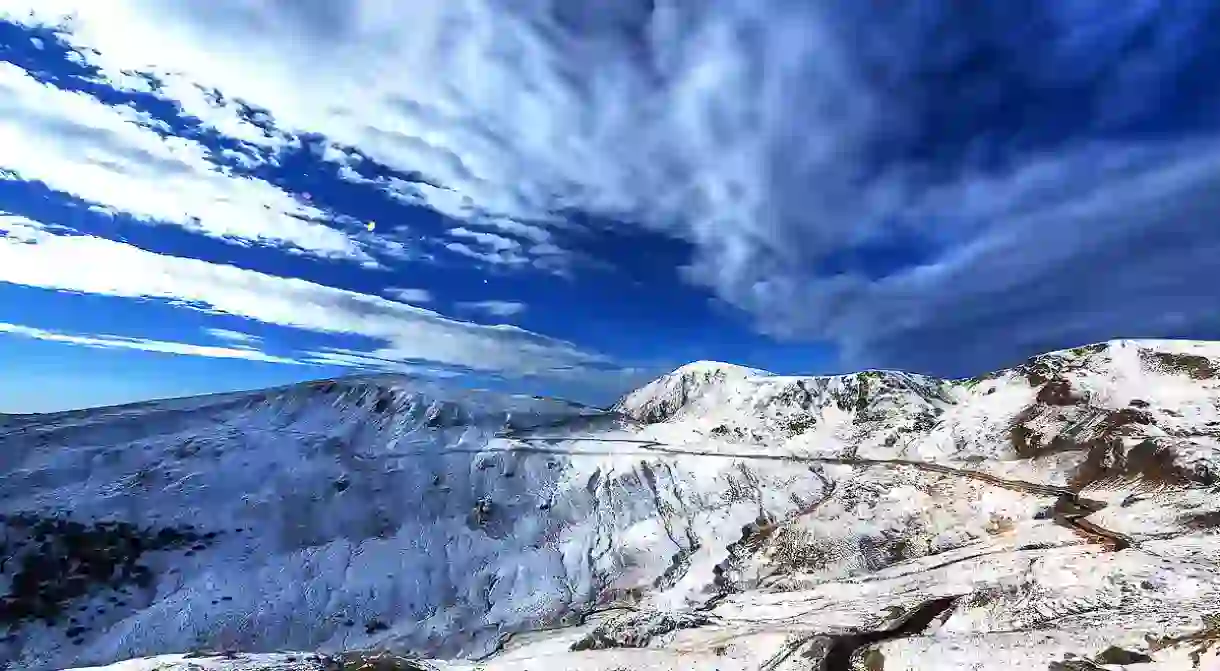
[(685, 527)]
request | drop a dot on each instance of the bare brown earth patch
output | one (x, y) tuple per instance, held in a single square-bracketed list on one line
[(1208, 520), (1091, 429), (1059, 392), (1151, 461), (1102, 435)]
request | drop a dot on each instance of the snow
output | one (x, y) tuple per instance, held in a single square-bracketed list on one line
[(776, 516)]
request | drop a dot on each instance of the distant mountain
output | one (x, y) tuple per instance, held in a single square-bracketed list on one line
[(1058, 515)]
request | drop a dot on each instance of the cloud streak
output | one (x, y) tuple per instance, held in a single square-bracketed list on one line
[(495, 308), (236, 337), (408, 295), (103, 341), (108, 156), (36, 256)]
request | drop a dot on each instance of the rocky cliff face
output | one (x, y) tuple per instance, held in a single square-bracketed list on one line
[(1060, 514)]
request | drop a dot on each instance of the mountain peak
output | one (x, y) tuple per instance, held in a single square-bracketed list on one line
[(711, 367)]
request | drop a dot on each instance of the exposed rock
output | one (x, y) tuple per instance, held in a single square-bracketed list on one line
[(638, 630), (1117, 655), (1058, 392), (1193, 365)]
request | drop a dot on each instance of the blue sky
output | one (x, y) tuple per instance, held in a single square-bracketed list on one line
[(570, 198)]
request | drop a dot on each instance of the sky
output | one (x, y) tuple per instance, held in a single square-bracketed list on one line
[(570, 198)]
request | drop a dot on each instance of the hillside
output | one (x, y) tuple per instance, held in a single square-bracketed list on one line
[(1061, 514)]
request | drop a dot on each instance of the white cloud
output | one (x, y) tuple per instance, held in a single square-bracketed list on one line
[(220, 115), (497, 243), (102, 341), (407, 295), (496, 257), (33, 255), (352, 359), (237, 337), (109, 155), (770, 135), (487, 247), (496, 308), (733, 125)]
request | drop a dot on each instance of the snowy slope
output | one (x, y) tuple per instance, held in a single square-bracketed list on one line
[(727, 401), (338, 514), (1060, 514)]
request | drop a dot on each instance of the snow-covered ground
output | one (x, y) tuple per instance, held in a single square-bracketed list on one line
[(1061, 514)]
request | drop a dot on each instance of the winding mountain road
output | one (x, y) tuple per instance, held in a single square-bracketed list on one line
[(1071, 510)]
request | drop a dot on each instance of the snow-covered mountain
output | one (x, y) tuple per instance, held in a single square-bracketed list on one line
[(1061, 514)]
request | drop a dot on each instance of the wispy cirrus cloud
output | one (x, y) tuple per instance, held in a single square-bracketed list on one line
[(104, 341), (238, 338), (34, 255), (494, 308), (408, 295), (108, 156)]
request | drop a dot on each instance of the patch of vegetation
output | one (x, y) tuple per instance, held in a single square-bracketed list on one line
[(862, 397), (1093, 429), (1038, 372), (1088, 349), (924, 421), (796, 395), (1117, 655), (874, 660), (1193, 365), (795, 549), (60, 560), (799, 424), (886, 551), (1041, 369)]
